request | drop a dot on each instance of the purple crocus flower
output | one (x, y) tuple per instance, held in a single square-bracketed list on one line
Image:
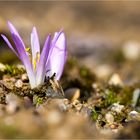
[(43, 63)]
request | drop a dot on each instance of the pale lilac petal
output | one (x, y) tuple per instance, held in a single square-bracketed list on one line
[(53, 42), (9, 44), (14, 31), (56, 36), (58, 57), (40, 75), (25, 59), (35, 47)]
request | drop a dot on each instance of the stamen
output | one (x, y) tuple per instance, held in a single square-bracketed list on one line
[(37, 56), (36, 60), (27, 49), (34, 64)]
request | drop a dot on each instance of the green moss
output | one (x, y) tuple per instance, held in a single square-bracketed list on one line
[(86, 75), (38, 99), (13, 70), (125, 97), (95, 113), (109, 98), (84, 72), (112, 94)]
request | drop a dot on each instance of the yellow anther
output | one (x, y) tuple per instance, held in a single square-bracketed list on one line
[(27, 49), (37, 56), (35, 61), (34, 64)]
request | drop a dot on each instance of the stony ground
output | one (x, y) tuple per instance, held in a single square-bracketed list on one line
[(81, 106)]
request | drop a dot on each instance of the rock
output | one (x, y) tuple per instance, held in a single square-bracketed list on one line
[(131, 50), (7, 85), (103, 71), (72, 94), (136, 95), (13, 103), (95, 85), (109, 118), (86, 111), (134, 115), (24, 77), (114, 126), (8, 78), (115, 80), (77, 105), (19, 83), (117, 107), (19, 66), (2, 67)]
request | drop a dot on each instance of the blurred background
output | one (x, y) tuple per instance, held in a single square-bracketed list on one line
[(99, 33)]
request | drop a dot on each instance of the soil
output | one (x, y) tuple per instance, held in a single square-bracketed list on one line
[(80, 106)]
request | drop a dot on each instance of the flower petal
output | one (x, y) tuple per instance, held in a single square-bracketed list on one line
[(40, 75), (35, 47), (58, 56), (53, 42), (9, 44), (14, 31), (25, 60)]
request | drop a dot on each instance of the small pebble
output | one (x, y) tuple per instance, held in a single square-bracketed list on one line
[(2, 67), (117, 107), (77, 105), (8, 78), (72, 94), (19, 84), (131, 50), (66, 101), (12, 103), (103, 71), (86, 112), (19, 66), (135, 115), (113, 126), (95, 86), (24, 77), (136, 95), (115, 80), (109, 118)]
